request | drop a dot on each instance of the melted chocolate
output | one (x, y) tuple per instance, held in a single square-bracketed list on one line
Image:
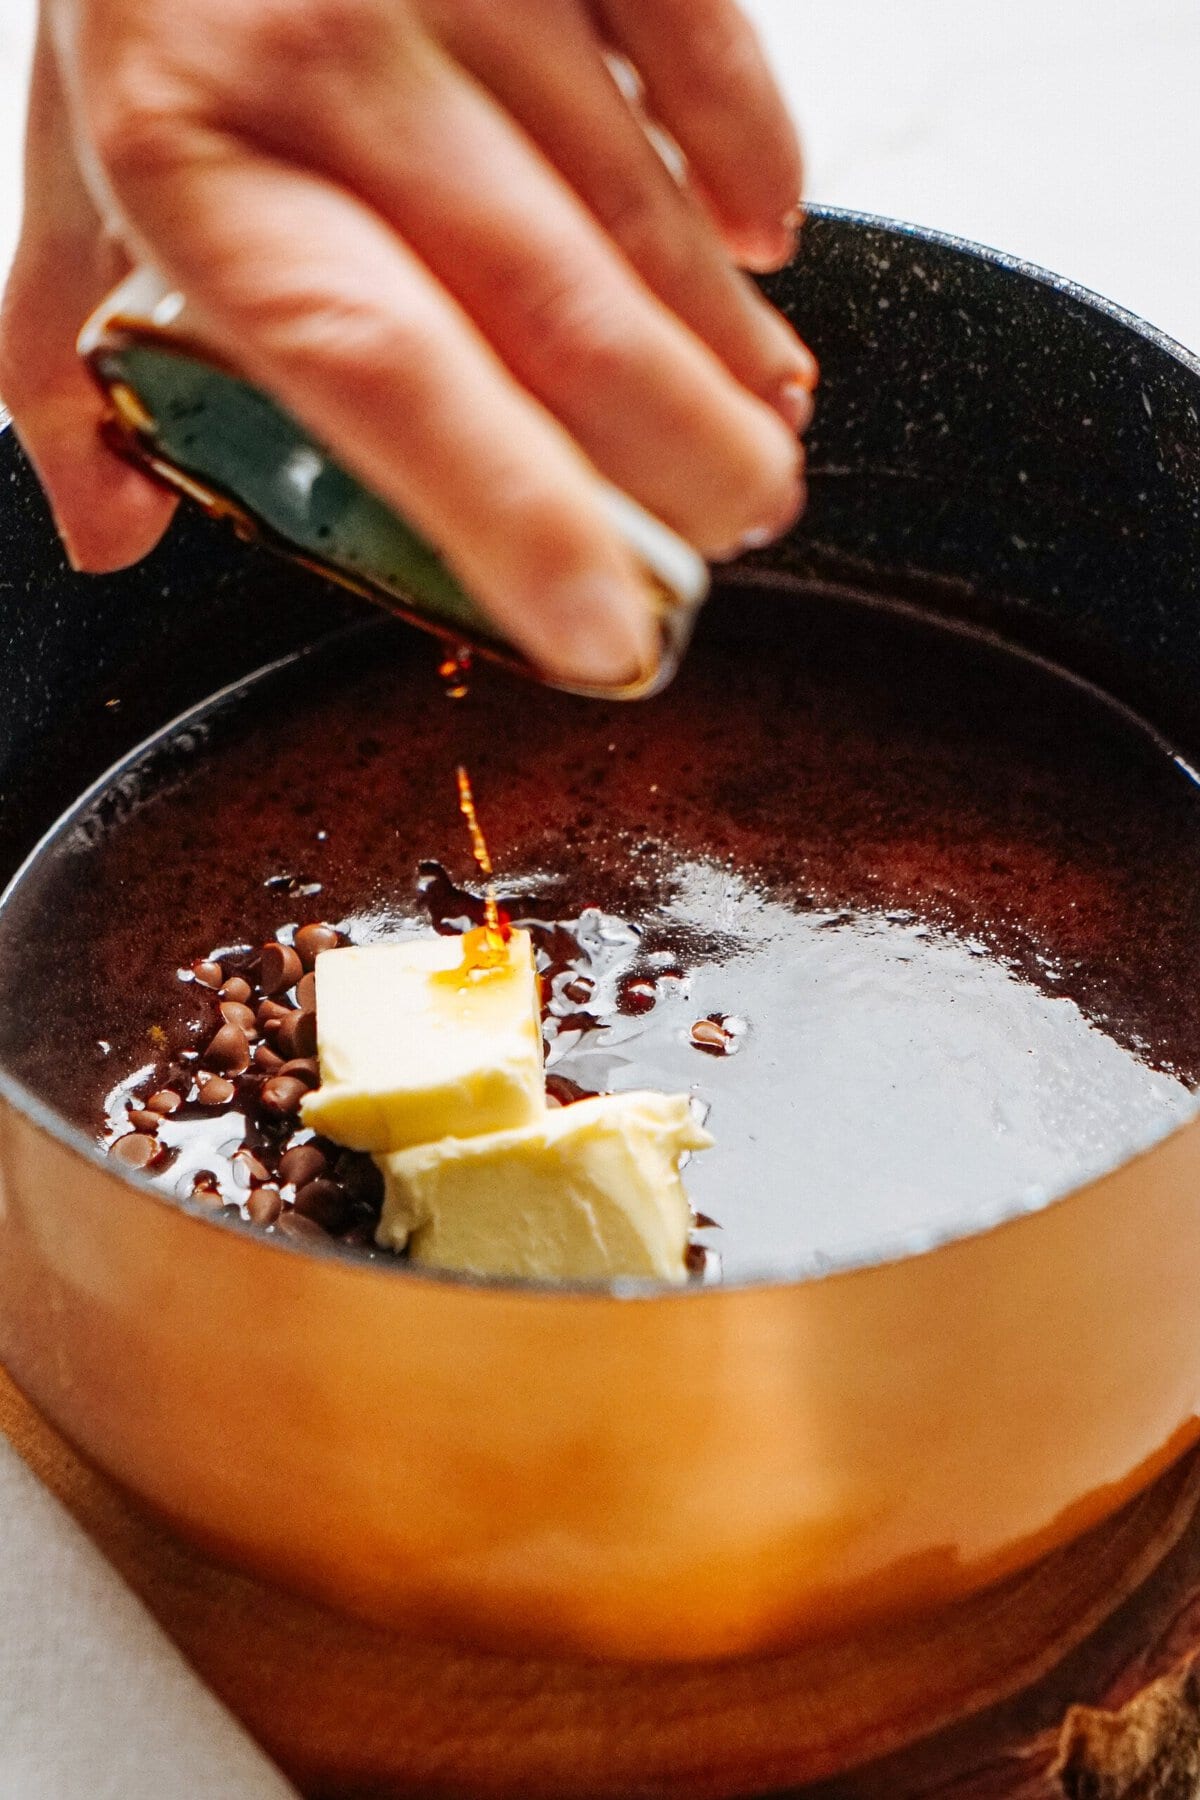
[(916, 919)]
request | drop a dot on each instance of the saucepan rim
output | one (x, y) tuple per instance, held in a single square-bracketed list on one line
[(16, 1094)]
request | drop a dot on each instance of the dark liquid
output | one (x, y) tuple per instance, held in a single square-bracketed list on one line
[(916, 919)]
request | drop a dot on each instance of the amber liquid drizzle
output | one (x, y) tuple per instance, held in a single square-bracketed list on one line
[(455, 671), (485, 948)]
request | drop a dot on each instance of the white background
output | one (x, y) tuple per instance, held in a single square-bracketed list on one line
[(1066, 131)]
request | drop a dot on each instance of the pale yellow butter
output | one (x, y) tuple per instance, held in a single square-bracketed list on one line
[(414, 1046), (588, 1192)]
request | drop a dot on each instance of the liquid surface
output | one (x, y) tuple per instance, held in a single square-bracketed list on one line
[(917, 921)]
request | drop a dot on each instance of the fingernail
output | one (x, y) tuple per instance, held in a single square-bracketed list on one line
[(792, 224), (604, 634), (789, 227), (767, 253), (774, 249), (759, 536), (795, 404)]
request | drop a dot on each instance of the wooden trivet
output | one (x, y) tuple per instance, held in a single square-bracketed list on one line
[(1074, 1680)]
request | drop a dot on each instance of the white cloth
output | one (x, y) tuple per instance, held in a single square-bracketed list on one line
[(95, 1701)]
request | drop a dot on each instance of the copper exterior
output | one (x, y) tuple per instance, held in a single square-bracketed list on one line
[(648, 1477)]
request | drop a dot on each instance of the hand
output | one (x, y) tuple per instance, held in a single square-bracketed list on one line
[(437, 231)]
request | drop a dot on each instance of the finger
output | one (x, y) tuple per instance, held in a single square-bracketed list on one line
[(331, 313), (650, 404), (543, 61), (708, 82), (107, 513)]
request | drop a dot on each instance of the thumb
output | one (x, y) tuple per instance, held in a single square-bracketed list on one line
[(108, 514)]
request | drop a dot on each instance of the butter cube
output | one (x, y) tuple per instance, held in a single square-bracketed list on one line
[(415, 1043), (585, 1193)]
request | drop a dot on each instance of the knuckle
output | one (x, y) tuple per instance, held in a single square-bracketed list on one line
[(648, 231), (252, 65), (299, 40), (139, 85), (327, 329), (341, 336), (135, 128), (578, 341)]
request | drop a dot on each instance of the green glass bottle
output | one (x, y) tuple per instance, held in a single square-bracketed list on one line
[(190, 419)]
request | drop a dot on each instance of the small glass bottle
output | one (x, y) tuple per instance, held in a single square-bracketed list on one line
[(187, 416)]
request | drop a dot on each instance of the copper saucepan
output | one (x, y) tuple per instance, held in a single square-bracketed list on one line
[(542, 1467)]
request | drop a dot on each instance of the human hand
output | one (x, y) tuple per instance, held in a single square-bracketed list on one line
[(438, 233)]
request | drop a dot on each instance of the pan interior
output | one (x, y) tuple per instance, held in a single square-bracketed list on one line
[(943, 901)]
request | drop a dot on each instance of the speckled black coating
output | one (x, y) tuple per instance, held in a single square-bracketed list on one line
[(1032, 446), (1016, 450)]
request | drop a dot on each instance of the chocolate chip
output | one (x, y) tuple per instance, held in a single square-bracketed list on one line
[(295, 1224), (142, 1120), (296, 1035), (636, 996), (710, 1035), (136, 1150), (304, 1068), (164, 1102), (266, 1059), (359, 1175), (247, 1166), (235, 1012), (565, 1091), (214, 1090), (228, 1050), (264, 1205), (209, 974), (301, 1164), (279, 968), (306, 992), (310, 940), (282, 1094), (270, 1014), (237, 989), (323, 1200), (362, 1234)]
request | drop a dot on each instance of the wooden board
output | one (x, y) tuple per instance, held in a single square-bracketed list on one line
[(986, 1701)]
